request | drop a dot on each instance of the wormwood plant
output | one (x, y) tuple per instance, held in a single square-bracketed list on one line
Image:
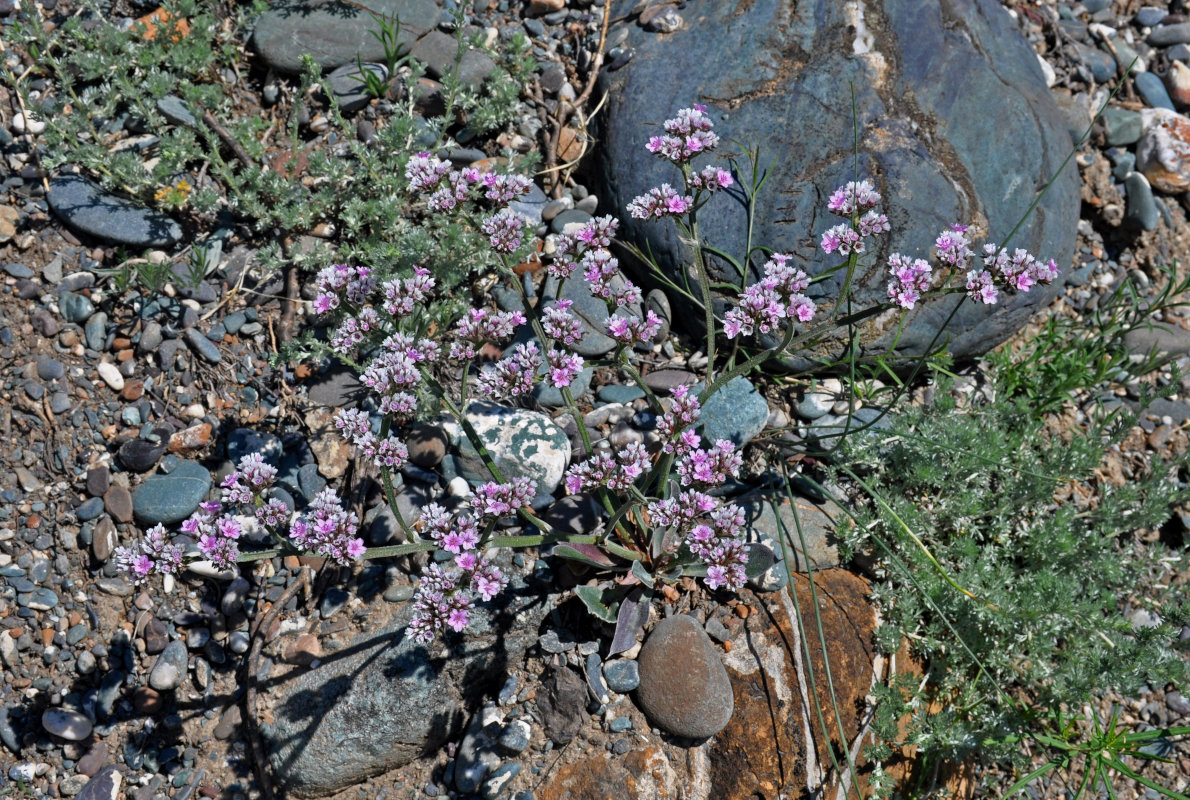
[(984, 496), (101, 86)]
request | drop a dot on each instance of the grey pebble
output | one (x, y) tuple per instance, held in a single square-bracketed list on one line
[(70, 725), (203, 346), (622, 675), (170, 669)]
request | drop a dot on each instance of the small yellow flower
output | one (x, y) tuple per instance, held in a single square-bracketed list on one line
[(174, 196)]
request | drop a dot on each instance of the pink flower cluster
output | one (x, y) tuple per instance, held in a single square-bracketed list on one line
[(446, 595), (603, 469), (501, 499), (481, 325), (504, 229), (1018, 271), (401, 297), (717, 544), (676, 424), (155, 554), (777, 296), (558, 323), (630, 330), (661, 201), (512, 375), (710, 467), (396, 370), (686, 135), (910, 277), (340, 282), (328, 529), (849, 201)]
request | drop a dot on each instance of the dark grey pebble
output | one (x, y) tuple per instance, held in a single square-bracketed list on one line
[(89, 509), (1141, 208), (139, 455), (1153, 91), (176, 111), (8, 734), (203, 346), (622, 675), (171, 498), (49, 369), (1165, 35), (86, 207), (75, 307)]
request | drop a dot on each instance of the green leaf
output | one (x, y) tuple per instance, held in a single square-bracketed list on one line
[(601, 601), (587, 554)]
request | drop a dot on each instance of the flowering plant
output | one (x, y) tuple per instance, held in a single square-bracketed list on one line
[(664, 514)]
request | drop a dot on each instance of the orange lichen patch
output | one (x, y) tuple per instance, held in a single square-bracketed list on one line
[(162, 20)]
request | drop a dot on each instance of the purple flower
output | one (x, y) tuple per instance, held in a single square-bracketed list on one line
[(504, 230), (660, 202), (512, 375), (909, 279), (563, 367), (423, 171), (843, 239), (558, 323), (980, 287), (853, 196)]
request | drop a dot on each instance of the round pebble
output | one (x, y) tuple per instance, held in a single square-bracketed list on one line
[(70, 725)]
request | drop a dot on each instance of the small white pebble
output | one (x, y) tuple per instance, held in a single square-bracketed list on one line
[(458, 487), (111, 375), (24, 123), (195, 411)]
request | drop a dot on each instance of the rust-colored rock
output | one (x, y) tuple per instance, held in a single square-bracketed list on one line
[(1163, 152), (647, 774), (147, 700), (133, 390), (763, 751), (305, 650), (195, 437)]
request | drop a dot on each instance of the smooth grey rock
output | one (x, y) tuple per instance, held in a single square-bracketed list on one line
[(521, 443), (66, 724), (736, 412), (684, 688), (387, 700), (203, 346), (175, 110), (170, 670), (784, 72), (1165, 35), (1141, 210), (88, 208), (767, 516), (171, 498), (1121, 126), (1153, 91), (622, 675), (75, 307), (438, 51), (347, 84), (335, 32)]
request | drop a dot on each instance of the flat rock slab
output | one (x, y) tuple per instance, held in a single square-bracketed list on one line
[(335, 32), (171, 498), (939, 154), (86, 207), (385, 700)]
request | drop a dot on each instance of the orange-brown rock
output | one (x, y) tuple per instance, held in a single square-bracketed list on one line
[(764, 750), (193, 438), (647, 774)]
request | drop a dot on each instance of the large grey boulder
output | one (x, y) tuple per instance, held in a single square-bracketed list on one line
[(955, 125)]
